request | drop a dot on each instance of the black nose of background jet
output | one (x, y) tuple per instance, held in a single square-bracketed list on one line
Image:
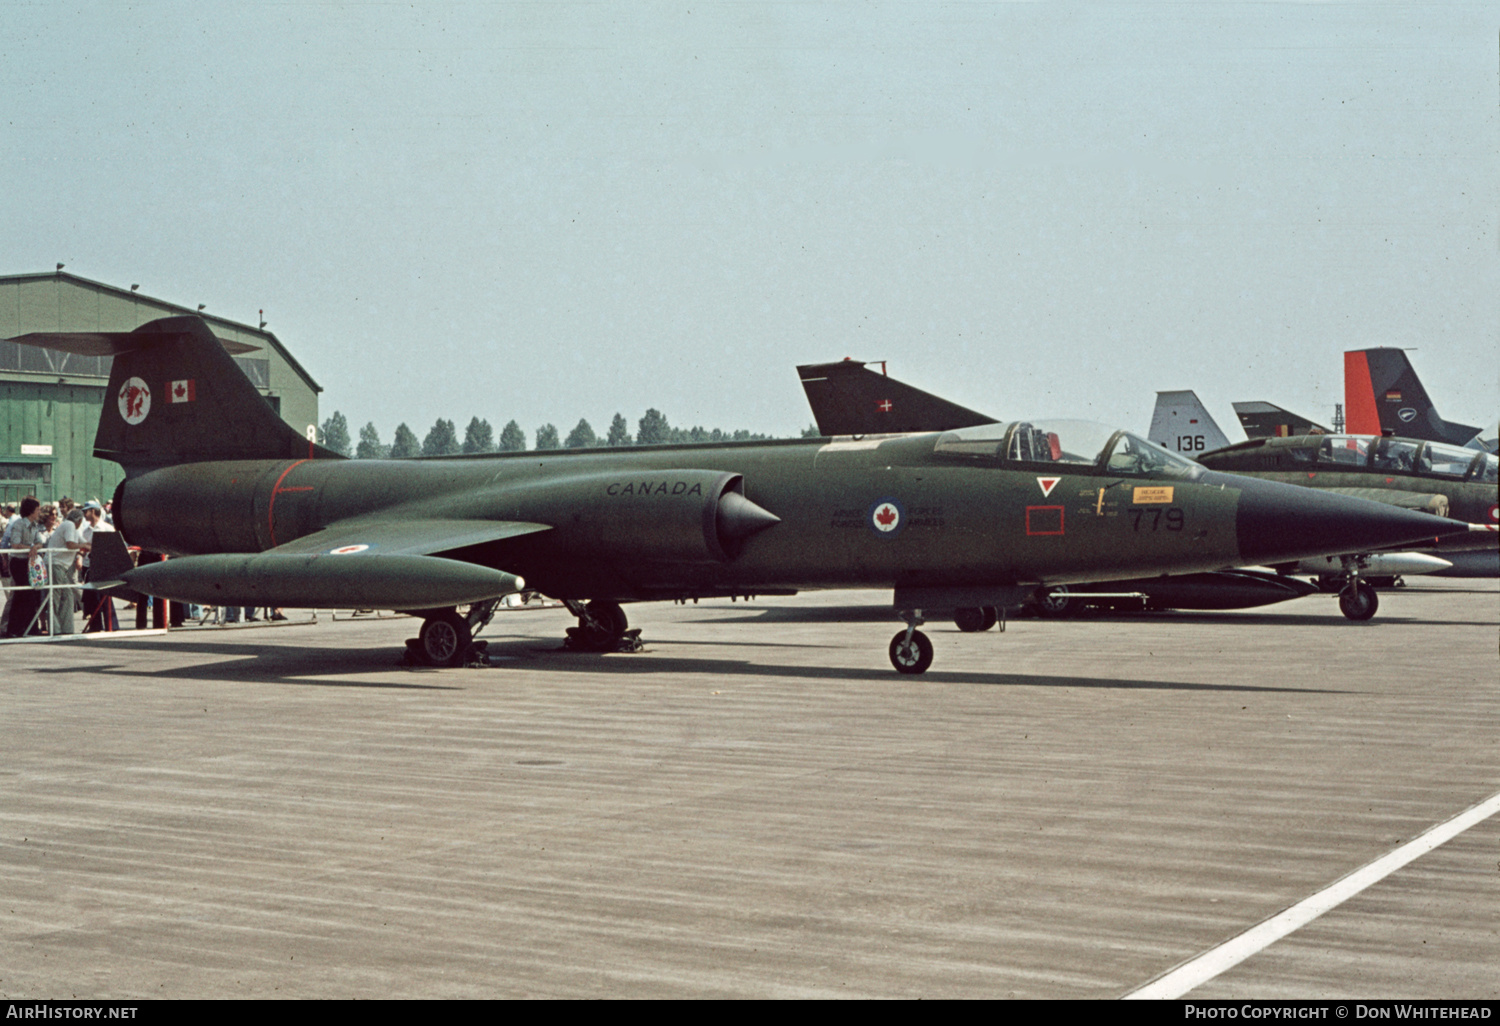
[(1278, 522)]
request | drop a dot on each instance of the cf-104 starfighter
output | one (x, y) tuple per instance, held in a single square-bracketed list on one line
[(979, 517), (848, 397)]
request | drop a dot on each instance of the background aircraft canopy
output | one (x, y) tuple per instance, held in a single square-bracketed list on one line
[(1401, 455), (1489, 470), (1454, 461), (1059, 444)]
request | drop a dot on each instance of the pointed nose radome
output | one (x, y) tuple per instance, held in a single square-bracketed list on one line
[(1279, 522), (739, 518)]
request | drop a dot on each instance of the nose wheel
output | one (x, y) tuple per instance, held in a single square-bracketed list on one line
[(910, 650), (1359, 601)]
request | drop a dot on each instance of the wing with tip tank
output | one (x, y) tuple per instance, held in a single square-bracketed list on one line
[(383, 564)]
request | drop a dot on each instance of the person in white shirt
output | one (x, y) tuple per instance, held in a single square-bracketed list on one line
[(63, 545)]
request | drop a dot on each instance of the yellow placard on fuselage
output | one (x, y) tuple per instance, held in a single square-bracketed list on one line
[(1148, 495)]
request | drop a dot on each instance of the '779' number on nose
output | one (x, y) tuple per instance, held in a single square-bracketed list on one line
[(1155, 519)]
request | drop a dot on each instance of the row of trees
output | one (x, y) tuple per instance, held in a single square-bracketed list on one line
[(479, 437)]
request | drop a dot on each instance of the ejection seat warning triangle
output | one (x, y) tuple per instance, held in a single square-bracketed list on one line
[(1047, 483)]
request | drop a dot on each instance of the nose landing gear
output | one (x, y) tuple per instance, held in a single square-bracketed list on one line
[(911, 651), (1357, 598), (1358, 601)]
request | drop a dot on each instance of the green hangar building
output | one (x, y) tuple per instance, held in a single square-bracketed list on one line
[(50, 401)]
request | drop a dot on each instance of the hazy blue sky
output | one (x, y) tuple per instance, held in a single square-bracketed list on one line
[(553, 210)]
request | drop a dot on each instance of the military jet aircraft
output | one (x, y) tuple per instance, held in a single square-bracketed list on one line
[(1442, 479), (1181, 423), (979, 517)]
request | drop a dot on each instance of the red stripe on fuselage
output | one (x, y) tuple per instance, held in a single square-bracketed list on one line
[(276, 490)]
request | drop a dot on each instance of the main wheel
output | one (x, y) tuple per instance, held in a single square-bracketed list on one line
[(611, 615), (975, 618), (1359, 601), (605, 624), (912, 656), (1054, 602), (445, 638)]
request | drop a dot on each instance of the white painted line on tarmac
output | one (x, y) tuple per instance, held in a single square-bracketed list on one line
[(1197, 971)]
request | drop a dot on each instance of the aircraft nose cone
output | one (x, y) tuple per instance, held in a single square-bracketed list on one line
[(1278, 522)]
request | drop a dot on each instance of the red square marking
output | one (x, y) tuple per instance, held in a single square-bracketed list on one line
[(1044, 520)]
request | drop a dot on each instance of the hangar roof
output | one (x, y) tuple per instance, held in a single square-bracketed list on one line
[(169, 309)]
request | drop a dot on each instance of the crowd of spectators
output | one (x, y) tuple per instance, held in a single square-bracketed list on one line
[(47, 544), (46, 557)]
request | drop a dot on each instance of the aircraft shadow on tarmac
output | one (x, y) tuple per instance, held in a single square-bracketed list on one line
[(523, 655), (274, 666), (882, 614)]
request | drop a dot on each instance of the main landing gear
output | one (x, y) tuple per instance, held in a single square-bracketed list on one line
[(975, 619), (447, 636), (602, 627)]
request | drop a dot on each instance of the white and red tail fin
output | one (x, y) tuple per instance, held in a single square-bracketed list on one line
[(175, 396)]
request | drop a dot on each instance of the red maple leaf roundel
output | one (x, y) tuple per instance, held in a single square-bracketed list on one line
[(885, 517)]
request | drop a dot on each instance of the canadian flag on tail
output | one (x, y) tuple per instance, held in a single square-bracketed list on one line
[(181, 391)]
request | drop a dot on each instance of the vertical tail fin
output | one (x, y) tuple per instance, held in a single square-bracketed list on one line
[(847, 398), (1383, 395), (1267, 420), (1182, 424), (175, 396)]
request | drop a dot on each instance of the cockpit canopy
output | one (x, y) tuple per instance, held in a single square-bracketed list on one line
[(1076, 445), (1395, 454)]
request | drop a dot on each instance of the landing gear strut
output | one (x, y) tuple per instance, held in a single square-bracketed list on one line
[(447, 636), (1357, 598), (910, 651)]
